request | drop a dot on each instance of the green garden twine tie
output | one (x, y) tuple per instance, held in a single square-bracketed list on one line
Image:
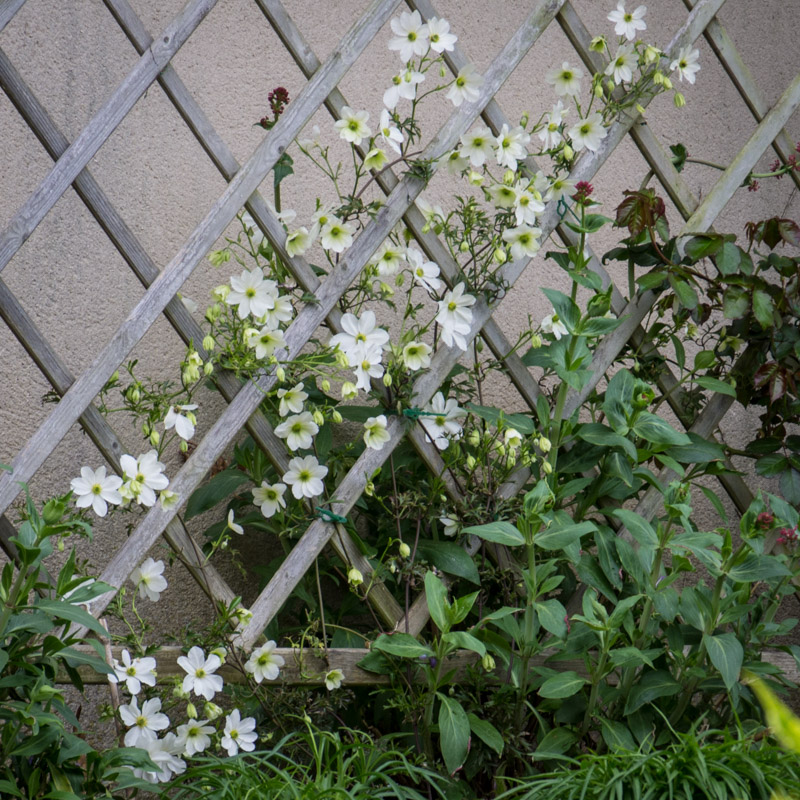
[(329, 516)]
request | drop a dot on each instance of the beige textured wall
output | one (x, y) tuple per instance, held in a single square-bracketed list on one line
[(76, 286)]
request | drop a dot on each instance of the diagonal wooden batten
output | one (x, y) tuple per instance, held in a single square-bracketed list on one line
[(173, 276), (727, 55), (100, 128), (8, 8), (743, 163), (107, 442)]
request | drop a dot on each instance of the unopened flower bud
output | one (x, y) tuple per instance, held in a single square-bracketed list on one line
[(610, 85), (387, 379), (184, 446), (280, 374), (115, 377), (679, 100), (404, 550), (567, 152), (349, 391), (133, 394), (536, 341), (500, 256), (471, 462), (464, 246), (598, 44), (544, 444), (651, 54), (212, 711), (640, 108), (369, 489), (386, 290), (509, 176), (336, 416), (667, 83), (326, 385), (179, 693), (547, 468), (399, 279), (474, 438), (219, 257), (354, 577), (598, 90), (221, 292), (488, 662), (474, 178), (146, 429), (191, 711), (658, 78), (155, 438), (523, 120), (208, 368), (209, 343), (213, 312), (319, 418)]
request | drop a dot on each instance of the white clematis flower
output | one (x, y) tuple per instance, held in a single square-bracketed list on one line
[(565, 80), (588, 133), (353, 126), (466, 86), (200, 677), (133, 672), (182, 419), (252, 293), (686, 64), (552, 324), (149, 579), (305, 477), (410, 35), (455, 316), (299, 431), (626, 23), (270, 498), (143, 723), (97, 490), (145, 475), (239, 734), (375, 433), (446, 425), (264, 663)]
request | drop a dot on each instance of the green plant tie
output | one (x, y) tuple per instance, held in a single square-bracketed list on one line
[(416, 413), (562, 207), (329, 516)]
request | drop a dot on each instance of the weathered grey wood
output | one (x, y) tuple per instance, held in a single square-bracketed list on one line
[(102, 125), (8, 8), (737, 70), (308, 668), (746, 159), (173, 276)]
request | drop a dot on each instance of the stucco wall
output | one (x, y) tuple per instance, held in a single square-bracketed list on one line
[(78, 289)]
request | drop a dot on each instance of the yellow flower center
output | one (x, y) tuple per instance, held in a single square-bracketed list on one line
[(451, 306), (97, 489), (201, 673), (250, 293)]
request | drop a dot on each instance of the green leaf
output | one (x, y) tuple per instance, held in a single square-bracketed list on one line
[(565, 684), (402, 645), (557, 537), (651, 686), (638, 526), (519, 422), (356, 413), (729, 258), (698, 451), (66, 611), (617, 736), (684, 291), (77, 657), (282, 169), (436, 595), (735, 302), (567, 311), (465, 641), (658, 431), (552, 617), (726, 654), (599, 326), (599, 434), (624, 657), (790, 486), (499, 532), (215, 491), (454, 731), (757, 568), (679, 156), (703, 244), (450, 558), (556, 742), (763, 308), (715, 385), (487, 733), (617, 403)]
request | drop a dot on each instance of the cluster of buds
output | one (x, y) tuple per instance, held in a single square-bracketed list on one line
[(765, 520), (583, 190), (278, 99), (788, 537)]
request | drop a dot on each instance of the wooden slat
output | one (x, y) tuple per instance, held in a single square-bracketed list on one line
[(173, 276), (308, 668), (8, 8), (725, 51), (100, 128)]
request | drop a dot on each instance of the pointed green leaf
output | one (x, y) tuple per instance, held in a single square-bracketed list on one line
[(487, 733), (726, 654), (499, 532), (454, 731), (565, 684)]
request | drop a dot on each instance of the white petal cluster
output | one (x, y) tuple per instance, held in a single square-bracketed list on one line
[(149, 579), (264, 663), (96, 490), (200, 677), (442, 420), (455, 316)]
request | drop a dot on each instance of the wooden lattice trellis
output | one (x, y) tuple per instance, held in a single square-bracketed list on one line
[(154, 65)]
